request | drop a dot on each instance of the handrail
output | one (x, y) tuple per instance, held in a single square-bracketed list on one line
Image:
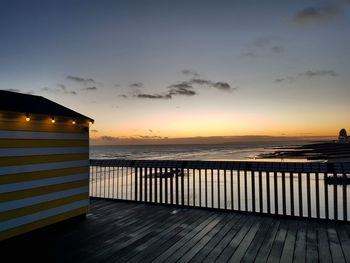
[(297, 189)]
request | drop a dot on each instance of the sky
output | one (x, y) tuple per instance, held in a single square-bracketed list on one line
[(159, 70)]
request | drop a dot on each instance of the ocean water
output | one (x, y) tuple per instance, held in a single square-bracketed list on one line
[(205, 152)]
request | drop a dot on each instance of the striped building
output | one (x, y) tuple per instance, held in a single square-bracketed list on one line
[(44, 163)]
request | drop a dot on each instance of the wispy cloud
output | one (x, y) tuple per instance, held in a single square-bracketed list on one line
[(190, 72), (182, 88), (90, 88), (264, 45), (316, 14), (308, 74), (84, 81), (61, 89), (153, 96), (136, 85), (319, 73)]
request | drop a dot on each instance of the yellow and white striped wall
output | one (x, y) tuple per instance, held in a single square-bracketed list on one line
[(44, 172)]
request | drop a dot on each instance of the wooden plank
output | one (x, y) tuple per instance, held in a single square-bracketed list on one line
[(265, 248), (236, 240), (199, 241), (247, 240), (166, 254), (257, 242), (165, 242), (323, 244), (311, 243), (278, 243), (344, 241), (289, 244), (202, 254), (212, 256), (334, 245)]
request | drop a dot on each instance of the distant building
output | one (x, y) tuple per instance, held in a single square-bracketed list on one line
[(343, 136)]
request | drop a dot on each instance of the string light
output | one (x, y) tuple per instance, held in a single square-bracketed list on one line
[(90, 123), (73, 122), (27, 117), (53, 120)]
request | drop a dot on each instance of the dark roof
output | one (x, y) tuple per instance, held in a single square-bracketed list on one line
[(19, 102)]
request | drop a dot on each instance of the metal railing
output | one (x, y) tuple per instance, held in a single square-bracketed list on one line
[(310, 190)]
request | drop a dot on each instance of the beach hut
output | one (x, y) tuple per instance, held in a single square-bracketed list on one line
[(44, 163)]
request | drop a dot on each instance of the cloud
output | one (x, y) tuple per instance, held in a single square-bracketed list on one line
[(190, 72), (308, 74), (65, 90), (183, 88), (319, 73), (200, 81), (264, 45), (222, 86), (316, 14), (136, 85), (277, 49), (279, 80), (80, 80), (90, 88), (94, 131), (153, 96)]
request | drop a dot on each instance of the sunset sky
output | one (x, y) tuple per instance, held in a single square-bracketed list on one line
[(151, 69)]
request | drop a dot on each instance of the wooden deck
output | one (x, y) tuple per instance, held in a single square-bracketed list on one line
[(131, 232)]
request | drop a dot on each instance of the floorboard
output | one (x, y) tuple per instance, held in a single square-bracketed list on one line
[(115, 231)]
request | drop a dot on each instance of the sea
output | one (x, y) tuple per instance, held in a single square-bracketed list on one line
[(235, 151)]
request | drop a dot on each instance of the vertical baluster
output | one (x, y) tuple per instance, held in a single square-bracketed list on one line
[(232, 199), (212, 189), (113, 183), (100, 180), (161, 179), (261, 207), (136, 182), (194, 186), (155, 184), (218, 184), (345, 199), (275, 186), (291, 185), (335, 196), (182, 186), (109, 182), (300, 192), (206, 187), (239, 189), (188, 186), (308, 192), (122, 186), (317, 179), (268, 196), (171, 186), (166, 185), (141, 183), (253, 190), (150, 176), (284, 204), (131, 183), (245, 190), (177, 186), (325, 183), (225, 191), (200, 187), (104, 182), (145, 185)]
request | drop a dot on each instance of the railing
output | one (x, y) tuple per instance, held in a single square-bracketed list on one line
[(310, 190)]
